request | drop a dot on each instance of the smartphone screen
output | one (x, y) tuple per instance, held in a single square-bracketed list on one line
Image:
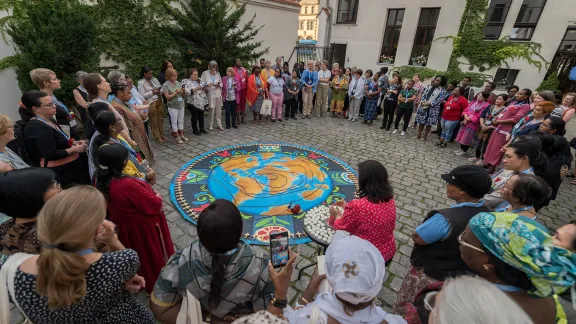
[(279, 249)]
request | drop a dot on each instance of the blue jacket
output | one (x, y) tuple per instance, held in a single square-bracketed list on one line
[(309, 78)]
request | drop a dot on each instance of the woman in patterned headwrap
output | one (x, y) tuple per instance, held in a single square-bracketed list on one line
[(516, 254)]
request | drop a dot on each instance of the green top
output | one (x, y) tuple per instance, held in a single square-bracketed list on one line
[(407, 94)]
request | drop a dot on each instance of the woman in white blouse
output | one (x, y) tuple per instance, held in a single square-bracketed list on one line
[(322, 91), (149, 88), (212, 79)]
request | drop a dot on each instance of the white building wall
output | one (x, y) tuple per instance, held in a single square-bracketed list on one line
[(280, 32), (9, 91), (364, 39)]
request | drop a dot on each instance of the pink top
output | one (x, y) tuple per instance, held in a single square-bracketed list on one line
[(474, 111), (514, 111), (372, 222), (225, 88), (242, 75)]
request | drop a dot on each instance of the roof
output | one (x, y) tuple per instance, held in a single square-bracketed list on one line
[(288, 2)]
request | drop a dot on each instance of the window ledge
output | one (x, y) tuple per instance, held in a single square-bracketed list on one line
[(385, 64), (346, 24)]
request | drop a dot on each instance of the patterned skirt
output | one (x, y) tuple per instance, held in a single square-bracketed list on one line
[(370, 109), (337, 106), (465, 136), (414, 281), (257, 104), (481, 139), (428, 117)]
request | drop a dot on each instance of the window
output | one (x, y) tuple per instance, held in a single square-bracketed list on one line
[(305, 10), (310, 25), (505, 78), (424, 36), (495, 18), (527, 19), (312, 9), (347, 11), (569, 41), (301, 25), (392, 33)]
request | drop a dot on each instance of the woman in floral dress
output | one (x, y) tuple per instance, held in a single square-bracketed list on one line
[(372, 94), (429, 108), (339, 86)]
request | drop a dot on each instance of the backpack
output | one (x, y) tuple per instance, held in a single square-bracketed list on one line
[(19, 146)]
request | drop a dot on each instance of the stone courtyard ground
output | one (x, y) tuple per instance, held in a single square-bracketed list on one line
[(414, 167)]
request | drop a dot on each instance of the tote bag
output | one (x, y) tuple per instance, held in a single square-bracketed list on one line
[(266, 107), (7, 275), (190, 311)]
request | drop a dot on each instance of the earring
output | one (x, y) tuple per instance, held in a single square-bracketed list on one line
[(486, 267)]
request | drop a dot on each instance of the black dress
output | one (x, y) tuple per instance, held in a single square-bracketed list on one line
[(105, 300), (44, 141)]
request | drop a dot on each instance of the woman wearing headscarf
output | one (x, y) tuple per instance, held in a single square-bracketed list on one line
[(516, 254), (136, 209), (436, 254), (503, 123), (355, 271), (428, 110), (213, 81), (81, 96), (204, 269)]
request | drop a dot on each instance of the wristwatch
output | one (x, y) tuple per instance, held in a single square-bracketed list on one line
[(279, 303)]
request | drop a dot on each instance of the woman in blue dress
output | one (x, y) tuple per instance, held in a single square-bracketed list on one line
[(372, 94), (429, 106)]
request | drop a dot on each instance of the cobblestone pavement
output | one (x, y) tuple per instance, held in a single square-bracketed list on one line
[(414, 167)]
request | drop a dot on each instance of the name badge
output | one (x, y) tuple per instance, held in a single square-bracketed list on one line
[(243, 80), (500, 116), (66, 129), (72, 122), (309, 82), (179, 99), (488, 122)]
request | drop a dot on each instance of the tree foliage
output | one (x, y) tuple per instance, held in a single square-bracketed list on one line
[(551, 83), (205, 30), (44, 38)]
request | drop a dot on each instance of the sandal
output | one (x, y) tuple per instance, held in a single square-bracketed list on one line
[(179, 140)]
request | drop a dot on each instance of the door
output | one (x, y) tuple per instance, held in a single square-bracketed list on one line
[(339, 54)]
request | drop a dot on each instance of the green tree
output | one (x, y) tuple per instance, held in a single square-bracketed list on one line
[(207, 30), (54, 34), (551, 83)]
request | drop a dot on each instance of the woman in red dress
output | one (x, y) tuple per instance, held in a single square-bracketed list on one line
[(372, 216), (137, 211)]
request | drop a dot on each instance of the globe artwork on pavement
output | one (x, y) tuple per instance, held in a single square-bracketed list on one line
[(265, 180)]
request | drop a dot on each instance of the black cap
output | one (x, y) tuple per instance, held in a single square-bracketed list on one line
[(472, 179)]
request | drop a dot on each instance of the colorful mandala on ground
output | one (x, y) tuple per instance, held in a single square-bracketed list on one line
[(263, 180)]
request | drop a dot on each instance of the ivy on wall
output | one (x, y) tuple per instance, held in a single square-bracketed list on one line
[(479, 53)]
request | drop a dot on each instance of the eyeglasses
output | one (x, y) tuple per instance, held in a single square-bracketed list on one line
[(57, 186), (468, 245), (430, 301)]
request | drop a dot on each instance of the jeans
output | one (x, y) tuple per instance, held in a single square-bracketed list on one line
[(176, 119), (230, 108), (197, 118), (389, 108), (277, 99), (404, 113), (291, 107), (448, 127)]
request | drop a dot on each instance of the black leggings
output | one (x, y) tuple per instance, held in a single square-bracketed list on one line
[(197, 118), (404, 113), (389, 108), (291, 108), (466, 147)]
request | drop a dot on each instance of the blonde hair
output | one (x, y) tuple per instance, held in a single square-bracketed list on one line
[(170, 72), (230, 69), (67, 223), (5, 123), (41, 75), (573, 98)]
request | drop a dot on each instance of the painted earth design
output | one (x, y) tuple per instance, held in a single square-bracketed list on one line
[(263, 179)]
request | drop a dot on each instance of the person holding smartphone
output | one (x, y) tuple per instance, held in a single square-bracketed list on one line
[(173, 91), (212, 78)]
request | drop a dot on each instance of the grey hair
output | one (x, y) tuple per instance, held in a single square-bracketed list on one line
[(473, 300), (278, 58), (114, 77), (212, 64), (80, 75)]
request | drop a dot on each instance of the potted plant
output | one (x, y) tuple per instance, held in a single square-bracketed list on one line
[(387, 59), (419, 60)]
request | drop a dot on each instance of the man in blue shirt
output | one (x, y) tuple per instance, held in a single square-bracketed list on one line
[(309, 82)]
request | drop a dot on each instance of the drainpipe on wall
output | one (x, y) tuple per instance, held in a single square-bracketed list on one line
[(329, 26)]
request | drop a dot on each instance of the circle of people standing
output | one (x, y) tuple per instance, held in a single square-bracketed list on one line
[(82, 254)]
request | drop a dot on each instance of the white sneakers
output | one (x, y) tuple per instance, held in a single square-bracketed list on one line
[(395, 131), (403, 133)]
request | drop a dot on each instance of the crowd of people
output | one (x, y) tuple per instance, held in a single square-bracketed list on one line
[(86, 230)]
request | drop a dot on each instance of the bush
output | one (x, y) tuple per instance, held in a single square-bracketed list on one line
[(57, 35), (551, 83)]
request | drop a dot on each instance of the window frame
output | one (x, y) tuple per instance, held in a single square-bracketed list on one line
[(349, 21), (427, 29), (500, 86), (530, 26), (496, 24), (392, 27)]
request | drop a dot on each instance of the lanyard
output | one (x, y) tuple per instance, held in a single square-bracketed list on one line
[(128, 147), (14, 159), (55, 127), (60, 104), (81, 88), (505, 205), (85, 252)]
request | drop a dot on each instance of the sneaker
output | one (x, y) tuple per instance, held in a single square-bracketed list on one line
[(460, 153), (203, 131), (395, 131), (403, 133), (480, 163), (456, 151), (472, 159), (210, 129)]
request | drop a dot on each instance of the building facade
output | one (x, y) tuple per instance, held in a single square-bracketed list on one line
[(370, 34), (308, 20)]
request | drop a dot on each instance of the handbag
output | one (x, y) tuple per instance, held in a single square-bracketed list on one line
[(190, 310), (7, 274), (266, 107)]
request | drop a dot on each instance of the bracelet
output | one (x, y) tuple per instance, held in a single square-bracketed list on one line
[(281, 304)]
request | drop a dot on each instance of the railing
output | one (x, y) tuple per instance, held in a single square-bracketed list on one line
[(305, 53)]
